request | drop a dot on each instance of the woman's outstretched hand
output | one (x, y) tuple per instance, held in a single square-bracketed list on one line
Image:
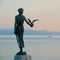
[(31, 22)]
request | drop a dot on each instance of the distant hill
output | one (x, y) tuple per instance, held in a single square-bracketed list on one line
[(6, 32), (41, 32), (28, 32)]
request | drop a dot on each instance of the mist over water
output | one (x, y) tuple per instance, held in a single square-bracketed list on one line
[(38, 47)]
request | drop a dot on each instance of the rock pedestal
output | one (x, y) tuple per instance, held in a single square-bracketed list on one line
[(22, 57)]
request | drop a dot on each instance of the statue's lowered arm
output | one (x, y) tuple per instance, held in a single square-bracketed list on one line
[(29, 23)]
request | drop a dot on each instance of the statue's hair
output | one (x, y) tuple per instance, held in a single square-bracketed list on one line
[(20, 10)]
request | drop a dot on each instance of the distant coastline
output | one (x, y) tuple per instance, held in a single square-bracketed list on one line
[(29, 32)]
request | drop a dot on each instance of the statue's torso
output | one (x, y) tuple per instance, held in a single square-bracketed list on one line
[(19, 22)]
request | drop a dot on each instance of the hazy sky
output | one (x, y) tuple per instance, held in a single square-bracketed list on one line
[(47, 11)]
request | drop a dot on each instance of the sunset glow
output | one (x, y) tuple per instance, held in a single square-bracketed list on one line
[(47, 11)]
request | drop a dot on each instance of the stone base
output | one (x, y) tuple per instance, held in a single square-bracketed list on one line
[(21, 53), (22, 57)]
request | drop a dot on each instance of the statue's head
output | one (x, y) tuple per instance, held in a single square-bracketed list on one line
[(20, 10)]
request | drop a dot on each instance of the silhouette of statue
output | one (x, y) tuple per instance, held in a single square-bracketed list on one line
[(19, 28)]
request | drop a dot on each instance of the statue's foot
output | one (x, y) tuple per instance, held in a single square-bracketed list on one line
[(21, 53)]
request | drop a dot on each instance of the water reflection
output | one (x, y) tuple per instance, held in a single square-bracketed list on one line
[(43, 49)]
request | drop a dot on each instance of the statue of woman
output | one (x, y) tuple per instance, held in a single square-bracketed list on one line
[(19, 28)]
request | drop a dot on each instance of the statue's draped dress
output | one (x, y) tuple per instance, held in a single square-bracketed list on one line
[(19, 29)]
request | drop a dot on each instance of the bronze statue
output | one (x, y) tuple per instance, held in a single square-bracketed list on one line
[(19, 28)]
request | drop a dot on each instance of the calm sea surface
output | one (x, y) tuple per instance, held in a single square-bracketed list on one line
[(39, 47)]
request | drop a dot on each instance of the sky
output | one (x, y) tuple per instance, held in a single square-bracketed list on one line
[(46, 11)]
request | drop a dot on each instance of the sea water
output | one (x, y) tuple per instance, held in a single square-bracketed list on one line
[(39, 47)]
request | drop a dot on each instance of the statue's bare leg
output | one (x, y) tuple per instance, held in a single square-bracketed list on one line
[(21, 50)]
